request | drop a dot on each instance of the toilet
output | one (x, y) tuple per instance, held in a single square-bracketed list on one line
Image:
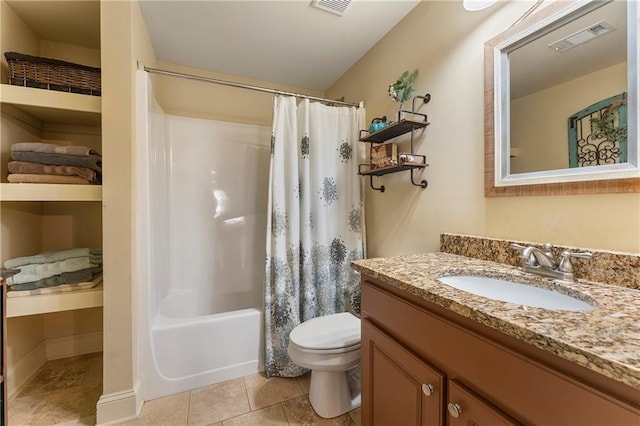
[(329, 346)]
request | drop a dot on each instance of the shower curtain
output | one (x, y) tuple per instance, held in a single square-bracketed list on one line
[(315, 225)]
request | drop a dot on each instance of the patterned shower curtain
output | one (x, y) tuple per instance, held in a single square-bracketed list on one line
[(315, 226)]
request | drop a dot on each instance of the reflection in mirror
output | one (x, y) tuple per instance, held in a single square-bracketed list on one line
[(552, 78), (561, 101)]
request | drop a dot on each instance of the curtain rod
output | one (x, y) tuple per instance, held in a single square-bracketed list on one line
[(245, 86)]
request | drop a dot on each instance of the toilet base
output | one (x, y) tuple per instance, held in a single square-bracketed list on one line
[(333, 393)]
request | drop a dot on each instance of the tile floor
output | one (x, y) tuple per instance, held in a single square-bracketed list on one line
[(65, 392)]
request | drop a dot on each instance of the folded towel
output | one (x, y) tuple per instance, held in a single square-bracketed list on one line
[(50, 148), (39, 271), (65, 278), (56, 289), (93, 162), (27, 178), (50, 256), (23, 167)]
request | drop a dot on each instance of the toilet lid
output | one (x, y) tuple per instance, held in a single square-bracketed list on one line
[(327, 332)]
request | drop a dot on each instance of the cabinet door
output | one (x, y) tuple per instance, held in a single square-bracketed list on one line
[(398, 388), (467, 409)]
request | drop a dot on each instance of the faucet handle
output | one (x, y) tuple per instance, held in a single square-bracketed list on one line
[(566, 265), (517, 246)]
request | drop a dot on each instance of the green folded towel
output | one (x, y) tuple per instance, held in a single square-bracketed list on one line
[(82, 275), (36, 272), (52, 256)]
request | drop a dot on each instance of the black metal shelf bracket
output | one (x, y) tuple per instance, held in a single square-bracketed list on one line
[(381, 188), (423, 183)]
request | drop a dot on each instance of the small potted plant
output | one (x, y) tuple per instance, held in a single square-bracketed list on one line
[(402, 90)]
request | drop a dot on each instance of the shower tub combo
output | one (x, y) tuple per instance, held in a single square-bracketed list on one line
[(201, 228)]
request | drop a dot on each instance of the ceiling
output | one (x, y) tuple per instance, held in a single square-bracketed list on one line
[(287, 42)]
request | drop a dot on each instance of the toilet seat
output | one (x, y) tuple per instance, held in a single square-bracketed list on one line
[(326, 351), (334, 333)]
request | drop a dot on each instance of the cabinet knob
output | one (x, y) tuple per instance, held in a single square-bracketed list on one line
[(428, 389), (454, 409)]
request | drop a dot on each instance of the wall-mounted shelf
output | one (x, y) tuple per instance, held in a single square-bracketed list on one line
[(402, 126), (394, 130)]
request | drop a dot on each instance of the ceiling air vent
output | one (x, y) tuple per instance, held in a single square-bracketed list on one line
[(583, 36), (339, 7)]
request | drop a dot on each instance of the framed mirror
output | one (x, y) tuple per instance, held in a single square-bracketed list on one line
[(561, 101)]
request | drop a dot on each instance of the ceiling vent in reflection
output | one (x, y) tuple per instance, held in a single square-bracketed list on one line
[(583, 36), (339, 7)]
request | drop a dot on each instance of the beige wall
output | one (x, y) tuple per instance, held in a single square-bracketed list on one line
[(117, 122), (539, 120), (445, 43), (191, 98)]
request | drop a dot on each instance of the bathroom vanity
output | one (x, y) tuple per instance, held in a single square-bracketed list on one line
[(435, 355)]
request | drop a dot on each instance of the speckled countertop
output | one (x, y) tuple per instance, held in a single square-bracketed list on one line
[(605, 339)]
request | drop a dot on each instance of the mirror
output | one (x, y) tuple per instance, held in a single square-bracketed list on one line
[(561, 101)]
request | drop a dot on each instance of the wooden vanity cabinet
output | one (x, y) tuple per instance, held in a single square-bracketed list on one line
[(400, 388), (478, 374)]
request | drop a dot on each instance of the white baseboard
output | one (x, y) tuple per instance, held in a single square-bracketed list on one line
[(119, 407), (79, 344), (25, 368)]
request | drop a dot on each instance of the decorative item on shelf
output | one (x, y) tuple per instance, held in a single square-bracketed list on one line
[(383, 155), (53, 74), (402, 90), (406, 159), (378, 124)]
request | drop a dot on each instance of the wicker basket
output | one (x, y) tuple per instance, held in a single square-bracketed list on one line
[(52, 74)]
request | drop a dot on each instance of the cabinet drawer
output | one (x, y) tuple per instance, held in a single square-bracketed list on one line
[(519, 386)]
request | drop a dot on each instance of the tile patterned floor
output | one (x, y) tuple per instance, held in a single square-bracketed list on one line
[(65, 392)]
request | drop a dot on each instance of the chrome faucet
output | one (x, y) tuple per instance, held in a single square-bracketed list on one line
[(543, 262)]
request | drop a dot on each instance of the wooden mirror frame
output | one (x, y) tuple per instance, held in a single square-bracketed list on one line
[(527, 26)]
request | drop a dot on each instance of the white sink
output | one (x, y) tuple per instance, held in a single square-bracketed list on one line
[(522, 294)]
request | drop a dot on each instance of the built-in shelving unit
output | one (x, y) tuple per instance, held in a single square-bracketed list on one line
[(37, 217), (402, 126)]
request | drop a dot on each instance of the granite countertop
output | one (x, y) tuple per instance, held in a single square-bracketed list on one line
[(605, 339)]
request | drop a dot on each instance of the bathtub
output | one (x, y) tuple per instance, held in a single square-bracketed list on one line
[(200, 248)]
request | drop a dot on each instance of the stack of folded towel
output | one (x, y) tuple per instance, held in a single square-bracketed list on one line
[(55, 268), (36, 162)]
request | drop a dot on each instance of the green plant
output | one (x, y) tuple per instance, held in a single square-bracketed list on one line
[(402, 90), (605, 126)]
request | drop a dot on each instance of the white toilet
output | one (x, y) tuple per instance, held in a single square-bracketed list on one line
[(330, 347)]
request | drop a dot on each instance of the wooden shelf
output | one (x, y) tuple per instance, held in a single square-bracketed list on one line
[(394, 130), (392, 169), (49, 192), (55, 302), (50, 106)]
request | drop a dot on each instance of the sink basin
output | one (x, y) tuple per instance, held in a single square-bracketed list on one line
[(522, 294)]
